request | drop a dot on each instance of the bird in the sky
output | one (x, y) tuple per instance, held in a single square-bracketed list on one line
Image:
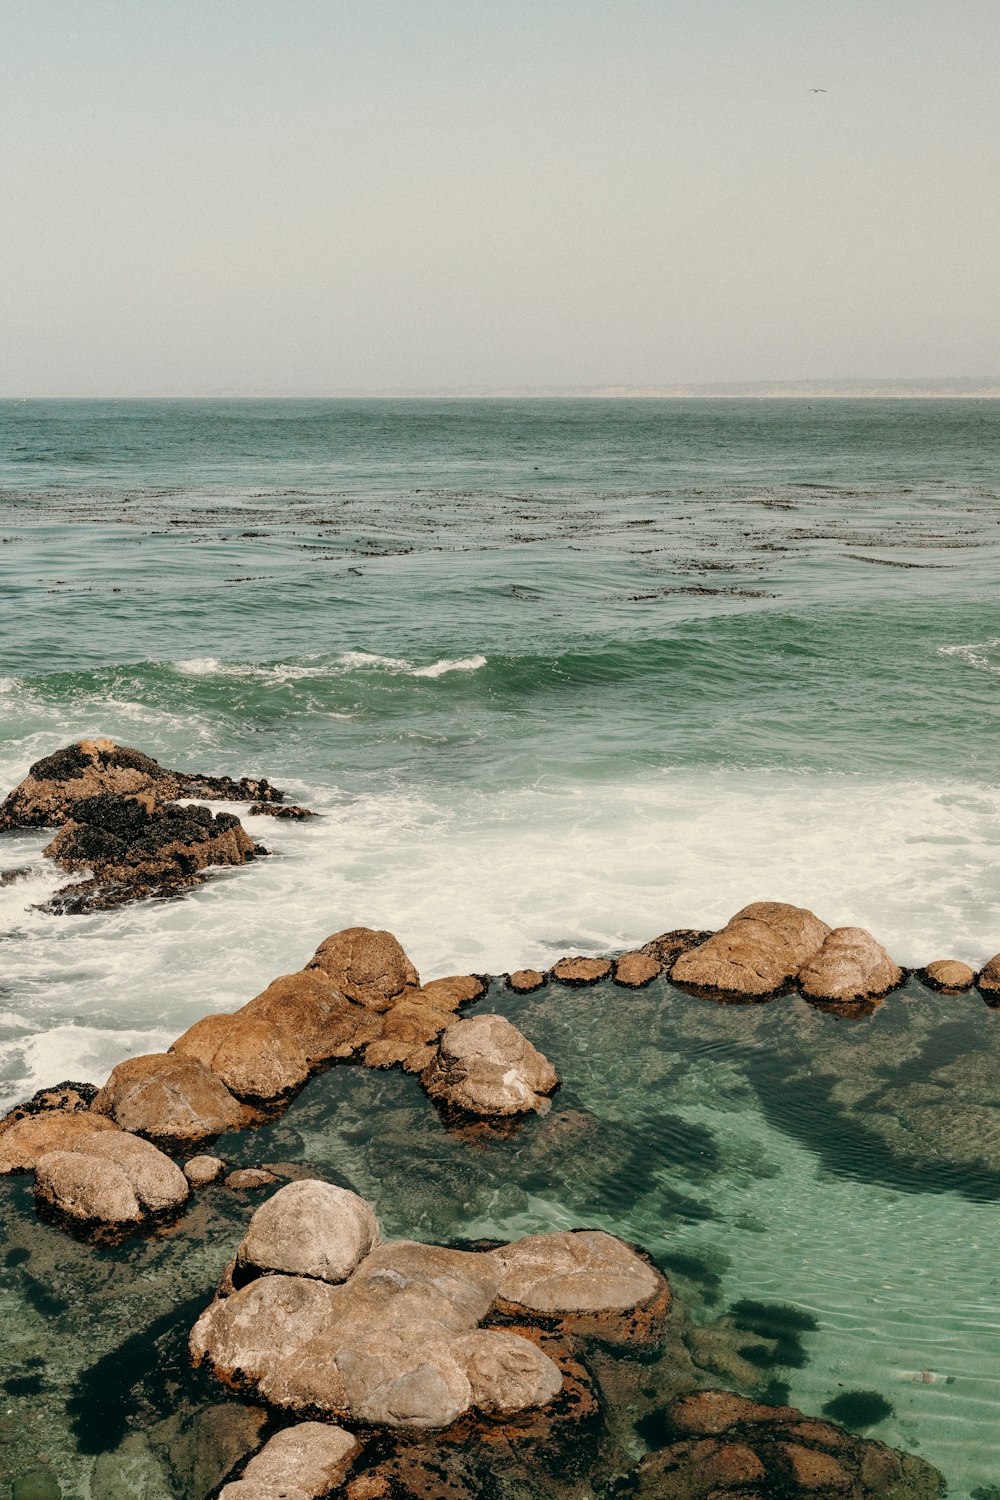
[(817, 91)]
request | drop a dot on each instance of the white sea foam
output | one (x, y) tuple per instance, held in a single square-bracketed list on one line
[(439, 668), (347, 661), (982, 654)]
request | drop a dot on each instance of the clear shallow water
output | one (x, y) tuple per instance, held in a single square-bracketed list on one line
[(559, 675)]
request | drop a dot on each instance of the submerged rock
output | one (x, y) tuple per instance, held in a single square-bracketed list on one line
[(246, 1178), (89, 768), (367, 966), (309, 1459), (725, 1445), (759, 951), (849, 966), (169, 1097), (484, 1066)]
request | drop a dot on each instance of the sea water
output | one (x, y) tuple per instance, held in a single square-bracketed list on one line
[(558, 675)]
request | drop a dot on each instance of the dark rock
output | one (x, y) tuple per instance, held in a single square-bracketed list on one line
[(274, 810)]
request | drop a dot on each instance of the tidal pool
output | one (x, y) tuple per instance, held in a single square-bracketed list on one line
[(821, 1192)]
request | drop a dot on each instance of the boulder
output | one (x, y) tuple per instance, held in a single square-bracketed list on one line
[(157, 1181), (290, 812), (524, 981), (409, 1026), (169, 1097), (203, 1169), (29, 1137), (633, 970), (760, 950), (407, 1281), (246, 1051), (367, 966), (91, 767), (307, 1011), (451, 993), (988, 981), (849, 966), (581, 970), (310, 1228), (948, 975), (310, 1459), (578, 1271), (86, 1189), (484, 1066), (507, 1373)]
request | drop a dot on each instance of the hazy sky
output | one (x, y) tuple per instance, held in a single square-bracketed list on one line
[(310, 195)]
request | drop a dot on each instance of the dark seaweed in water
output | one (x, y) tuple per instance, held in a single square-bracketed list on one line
[(858, 1410)]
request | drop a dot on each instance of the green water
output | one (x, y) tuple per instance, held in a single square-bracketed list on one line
[(559, 676)]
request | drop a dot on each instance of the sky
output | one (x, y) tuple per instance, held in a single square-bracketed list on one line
[(309, 196)]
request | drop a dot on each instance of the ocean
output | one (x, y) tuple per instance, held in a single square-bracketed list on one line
[(559, 675)]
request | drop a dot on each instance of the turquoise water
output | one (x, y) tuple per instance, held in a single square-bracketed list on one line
[(559, 675)]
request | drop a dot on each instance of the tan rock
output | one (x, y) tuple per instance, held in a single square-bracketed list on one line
[(507, 1373), (203, 1169), (949, 975), (254, 1489), (484, 1066), (170, 1097), (633, 970), (584, 1271), (523, 981), (407, 1281), (581, 970), (314, 1456), (390, 1053), (850, 965), (251, 1057), (759, 950), (310, 1228), (86, 1188), (415, 1023), (32, 1136), (452, 993), (158, 1183), (367, 966), (307, 1009), (988, 980)]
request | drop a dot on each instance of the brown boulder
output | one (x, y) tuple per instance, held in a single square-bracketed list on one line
[(849, 966), (86, 1189), (484, 1066), (310, 1228), (581, 970), (201, 1170), (988, 980), (26, 1139), (451, 993), (310, 1458), (574, 1272), (169, 1097), (308, 1009), (759, 950), (523, 981), (366, 965), (948, 975), (246, 1051), (633, 970)]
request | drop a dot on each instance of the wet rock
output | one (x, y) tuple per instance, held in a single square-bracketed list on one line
[(988, 981), (451, 993), (367, 966), (169, 1097), (948, 975), (26, 1138), (507, 1373), (408, 1026), (307, 1010), (726, 1445), (484, 1066), (245, 1050), (759, 951), (89, 768), (310, 1228), (203, 1169), (310, 1458), (245, 1178), (524, 981), (581, 970), (271, 810), (849, 966), (86, 1189), (670, 945), (633, 970)]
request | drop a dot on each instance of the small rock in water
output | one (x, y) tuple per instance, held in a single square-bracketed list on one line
[(523, 981), (203, 1169), (309, 1459), (633, 970), (948, 975), (486, 1067), (850, 965), (581, 970), (250, 1177)]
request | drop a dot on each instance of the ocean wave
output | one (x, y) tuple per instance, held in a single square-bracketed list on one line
[(976, 654), (347, 661)]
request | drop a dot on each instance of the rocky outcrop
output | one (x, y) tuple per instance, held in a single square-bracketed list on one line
[(723, 1445), (484, 1066), (949, 976), (367, 966), (111, 1178), (403, 1338), (307, 1461), (850, 966), (24, 1138), (90, 768), (247, 1053), (581, 970), (169, 1097), (635, 970), (758, 952)]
